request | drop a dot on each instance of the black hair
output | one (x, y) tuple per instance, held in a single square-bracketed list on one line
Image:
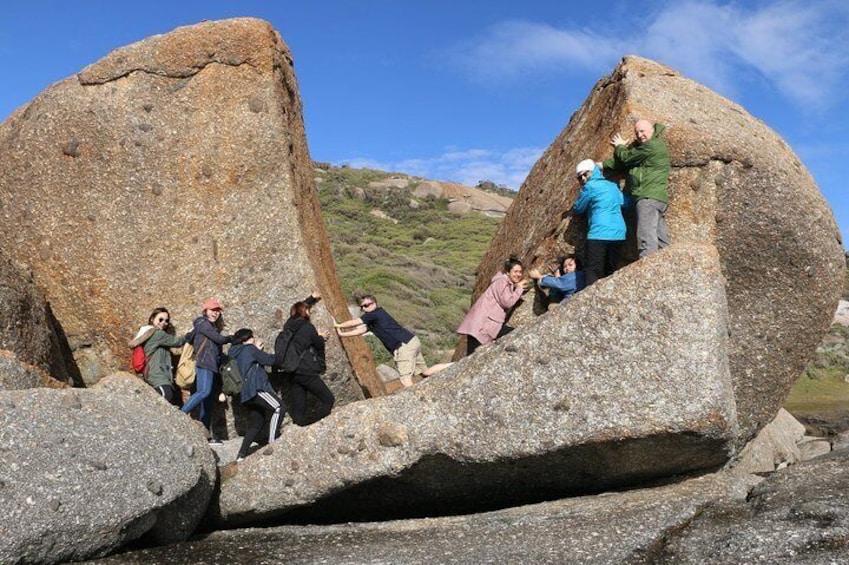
[(510, 263), (579, 265), (242, 335)]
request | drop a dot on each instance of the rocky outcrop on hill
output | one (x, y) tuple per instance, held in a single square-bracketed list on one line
[(85, 471), (464, 198), (735, 184), (173, 170), (627, 383)]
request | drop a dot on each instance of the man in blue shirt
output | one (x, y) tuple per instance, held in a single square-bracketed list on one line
[(406, 349)]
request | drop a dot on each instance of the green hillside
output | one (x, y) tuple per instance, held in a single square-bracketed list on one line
[(823, 389), (419, 261)]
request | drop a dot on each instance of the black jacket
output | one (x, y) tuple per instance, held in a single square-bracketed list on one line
[(307, 341)]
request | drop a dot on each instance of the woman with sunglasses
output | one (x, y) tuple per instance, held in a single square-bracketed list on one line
[(207, 341), (158, 340)]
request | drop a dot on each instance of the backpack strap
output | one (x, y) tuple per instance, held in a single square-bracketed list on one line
[(202, 344), (147, 363)]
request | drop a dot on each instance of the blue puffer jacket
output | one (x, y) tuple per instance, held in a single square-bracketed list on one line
[(602, 201), (250, 360)]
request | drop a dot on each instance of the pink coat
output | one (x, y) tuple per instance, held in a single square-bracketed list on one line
[(487, 314)]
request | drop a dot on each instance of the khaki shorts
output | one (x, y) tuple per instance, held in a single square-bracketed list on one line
[(409, 360)]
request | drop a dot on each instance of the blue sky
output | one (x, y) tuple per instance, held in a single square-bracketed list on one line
[(469, 91)]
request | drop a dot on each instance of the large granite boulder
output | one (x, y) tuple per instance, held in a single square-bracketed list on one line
[(172, 170), (85, 471), (735, 184), (626, 382)]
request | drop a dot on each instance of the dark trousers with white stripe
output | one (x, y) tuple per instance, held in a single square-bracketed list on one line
[(264, 408)]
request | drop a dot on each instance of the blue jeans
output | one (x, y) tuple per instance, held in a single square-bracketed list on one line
[(202, 396)]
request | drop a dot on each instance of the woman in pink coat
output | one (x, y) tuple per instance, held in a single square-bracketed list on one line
[(485, 321)]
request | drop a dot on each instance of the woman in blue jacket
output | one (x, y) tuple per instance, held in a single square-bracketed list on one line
[(603, 202), (566, 279), (257, 394), (207, 341)]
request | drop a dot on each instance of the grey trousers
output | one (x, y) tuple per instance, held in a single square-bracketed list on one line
[(652, 231)]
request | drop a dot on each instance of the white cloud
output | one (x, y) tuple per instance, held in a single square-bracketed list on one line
[(801, 48), (699, 51), (508, 167), (512, 48)]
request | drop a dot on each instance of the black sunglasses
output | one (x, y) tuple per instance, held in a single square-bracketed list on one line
[(365, 305), (166, 320)]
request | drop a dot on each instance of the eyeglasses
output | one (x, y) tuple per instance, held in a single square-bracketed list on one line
[(365, 305), (160, 320)]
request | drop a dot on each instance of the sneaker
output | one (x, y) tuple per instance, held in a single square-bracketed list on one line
[(215, 441)]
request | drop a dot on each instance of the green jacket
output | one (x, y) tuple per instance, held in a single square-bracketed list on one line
[(646, 164), (160, 371)]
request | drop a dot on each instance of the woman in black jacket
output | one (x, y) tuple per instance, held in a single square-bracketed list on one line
[(309, 345)]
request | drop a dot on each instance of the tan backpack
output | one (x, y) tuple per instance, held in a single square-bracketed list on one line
[(185, 376)]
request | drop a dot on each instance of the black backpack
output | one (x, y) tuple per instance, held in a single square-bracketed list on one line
[(286, 356), (231, 377)]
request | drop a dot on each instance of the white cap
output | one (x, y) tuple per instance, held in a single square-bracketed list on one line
[(585, 166)]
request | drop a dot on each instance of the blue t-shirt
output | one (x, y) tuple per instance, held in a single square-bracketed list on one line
[(390, 333)]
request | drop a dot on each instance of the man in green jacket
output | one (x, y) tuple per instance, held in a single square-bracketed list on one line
[(646, 163)]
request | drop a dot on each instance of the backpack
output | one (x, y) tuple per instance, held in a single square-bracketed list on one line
[(185, 376), (139, 360), (286, 356), (231, 377)]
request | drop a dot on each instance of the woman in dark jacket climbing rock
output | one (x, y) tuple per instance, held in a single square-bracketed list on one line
[(308, 344)]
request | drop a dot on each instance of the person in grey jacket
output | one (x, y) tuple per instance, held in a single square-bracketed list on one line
[(257, 394), (207, 341)]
